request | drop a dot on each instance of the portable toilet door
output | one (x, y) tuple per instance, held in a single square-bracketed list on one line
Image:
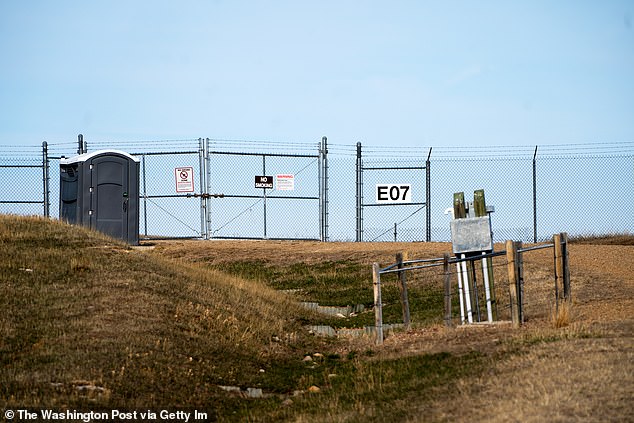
[(108, 192)]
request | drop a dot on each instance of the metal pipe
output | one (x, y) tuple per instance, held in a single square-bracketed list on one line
[(460, 294), (145, 197), (208, 186), (467, 292), (536, 247), (325, 174), (428, 197), (201, 183), (264, 173), (45, 179), (359, 194), (487, 291), (535, 195)]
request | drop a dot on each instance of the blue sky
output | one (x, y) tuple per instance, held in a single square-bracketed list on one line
[(408, 73)]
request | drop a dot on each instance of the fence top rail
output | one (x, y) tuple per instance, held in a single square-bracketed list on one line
[(164, 153), (395, 168), (235, 153), (21, 166)]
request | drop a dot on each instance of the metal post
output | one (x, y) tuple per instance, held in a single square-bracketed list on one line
[(45, 179), (320, 183), (447, 290), (359, 194), (80, 144), (201, 179), (463, 311), (535, 195), (467, 290), (144, 194), (208, 187), (264, 173), (428, 197), (324, 146)]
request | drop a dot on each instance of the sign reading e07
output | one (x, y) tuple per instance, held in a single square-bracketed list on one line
[(393, 193)]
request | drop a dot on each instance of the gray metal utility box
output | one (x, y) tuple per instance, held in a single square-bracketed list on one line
[(100, 190), (471, 234)]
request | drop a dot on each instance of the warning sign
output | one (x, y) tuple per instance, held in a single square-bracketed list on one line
[(184, 179), (285, 182)]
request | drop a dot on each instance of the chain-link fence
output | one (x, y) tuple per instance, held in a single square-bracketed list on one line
[(329, 191)]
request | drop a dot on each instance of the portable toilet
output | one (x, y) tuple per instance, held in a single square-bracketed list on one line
[(100, 190)]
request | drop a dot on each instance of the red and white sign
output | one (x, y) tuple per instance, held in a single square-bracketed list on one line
[(285, 182), (184, 179)]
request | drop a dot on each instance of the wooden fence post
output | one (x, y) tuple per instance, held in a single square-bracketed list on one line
[(519, 266), (559, 271), (378, 306), (479, 205), (400, 257), (445, 266), (511, 256), (565, 266)]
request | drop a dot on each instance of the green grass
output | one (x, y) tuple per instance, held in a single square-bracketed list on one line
[(344, 283)]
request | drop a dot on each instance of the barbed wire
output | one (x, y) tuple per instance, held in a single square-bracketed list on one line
[(487, 152)]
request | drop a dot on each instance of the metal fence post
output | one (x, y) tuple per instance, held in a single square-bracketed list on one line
[(535, 195), (359, 194), (428, 197), (45, 179), (264, 191), (201, 179), (144, 193), (324, 188), (447, 284), (80, 144), (208, 188)]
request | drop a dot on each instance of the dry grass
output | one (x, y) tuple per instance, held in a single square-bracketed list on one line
[(142, 331), (561, 314), (93, 324)]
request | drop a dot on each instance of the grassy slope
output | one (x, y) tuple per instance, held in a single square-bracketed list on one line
[(91, 324), (135, 331)]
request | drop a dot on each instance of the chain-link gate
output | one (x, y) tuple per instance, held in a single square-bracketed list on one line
[(401, 186), (264, 195)]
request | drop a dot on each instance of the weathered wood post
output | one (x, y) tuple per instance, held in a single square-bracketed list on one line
[(400, 257), (559, 271), (519, 266), (511, 256), (479, 205), (378, 306), (566, 267), (445, 266)]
